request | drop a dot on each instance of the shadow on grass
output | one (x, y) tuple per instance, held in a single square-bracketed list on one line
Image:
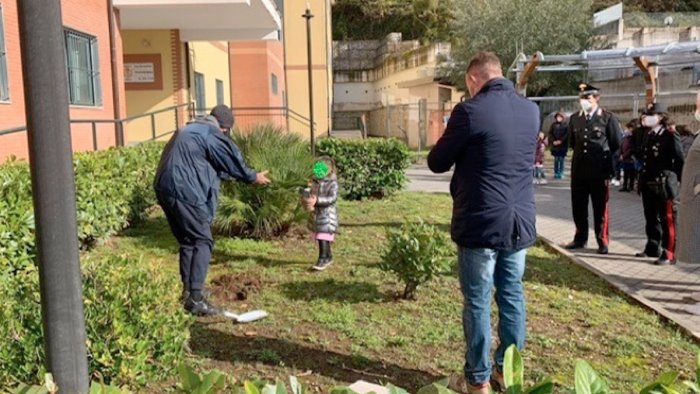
[(557, 271), (153, 233), (217, 345), (223, 257), (335, 291), (441, 226)]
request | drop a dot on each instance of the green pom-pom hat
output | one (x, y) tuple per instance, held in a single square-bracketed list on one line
[(321, 169)]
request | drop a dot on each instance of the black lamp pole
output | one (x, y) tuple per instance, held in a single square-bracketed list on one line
[(53, 191), (308, 15)]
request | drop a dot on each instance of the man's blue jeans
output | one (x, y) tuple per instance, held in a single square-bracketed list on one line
[(559, 166), (479, 271)]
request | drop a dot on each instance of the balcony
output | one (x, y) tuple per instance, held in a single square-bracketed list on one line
[(203, 20)]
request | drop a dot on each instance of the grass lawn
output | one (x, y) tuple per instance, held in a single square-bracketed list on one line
[(346, 324)]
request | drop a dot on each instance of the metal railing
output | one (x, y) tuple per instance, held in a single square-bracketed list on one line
[(680, 106), (119, 125), (283, 117)]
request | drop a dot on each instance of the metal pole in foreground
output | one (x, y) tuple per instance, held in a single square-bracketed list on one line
[(53, 191), (308, 15)]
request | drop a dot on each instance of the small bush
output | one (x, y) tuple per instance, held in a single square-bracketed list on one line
[(370, 168), (416, 253), (136, 329), (134, 325), (113, 190), (266, 211)]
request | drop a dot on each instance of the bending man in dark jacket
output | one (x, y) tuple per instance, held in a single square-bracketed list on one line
[(491, 141), (187, 182)]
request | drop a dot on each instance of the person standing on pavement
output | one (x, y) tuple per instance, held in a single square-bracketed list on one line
[(490, 139), (659, 184), (193, 163), (540, 177), (559, 139), (594, 135), (629, 165)]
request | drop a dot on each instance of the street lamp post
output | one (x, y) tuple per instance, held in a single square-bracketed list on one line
[(308, 15), (53, 192)]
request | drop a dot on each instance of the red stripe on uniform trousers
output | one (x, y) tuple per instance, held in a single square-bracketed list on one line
[(671, 230), (605, 235)]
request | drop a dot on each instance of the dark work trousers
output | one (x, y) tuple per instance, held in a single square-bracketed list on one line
[(629, 178), (660, 214), (598, 190), (191, 228)]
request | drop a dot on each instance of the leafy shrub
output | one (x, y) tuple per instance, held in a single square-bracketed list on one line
[(16, 218), (50, 387), (266, 211), (113, 189), (135, 327), (416, 253), (369, 168)]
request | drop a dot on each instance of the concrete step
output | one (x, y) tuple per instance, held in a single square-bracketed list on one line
[(347, 134)]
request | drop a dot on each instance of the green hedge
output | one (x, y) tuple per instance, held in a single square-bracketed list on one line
[(135, 327), (370, 168), (113, 189)]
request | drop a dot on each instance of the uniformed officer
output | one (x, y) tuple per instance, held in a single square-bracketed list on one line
[(594, 135), (191, 168), (659, 184)]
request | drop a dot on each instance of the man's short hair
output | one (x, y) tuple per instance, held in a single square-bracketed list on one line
[(485, 63)]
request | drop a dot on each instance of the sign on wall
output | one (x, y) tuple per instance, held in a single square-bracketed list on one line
[(143, 72), (139, 73)]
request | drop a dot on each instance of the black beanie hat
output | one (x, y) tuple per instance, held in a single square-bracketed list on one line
[(223, 115)]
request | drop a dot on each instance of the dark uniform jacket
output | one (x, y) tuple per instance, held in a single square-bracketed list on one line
[(594, 142), (662, 155), (195, 160), (491, 141)]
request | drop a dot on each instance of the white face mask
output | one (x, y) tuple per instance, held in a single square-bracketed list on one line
[(650, 121), (697, 115), (586, 105)]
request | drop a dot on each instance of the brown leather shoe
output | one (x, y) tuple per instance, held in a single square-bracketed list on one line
[(459, 384), (498, 383)]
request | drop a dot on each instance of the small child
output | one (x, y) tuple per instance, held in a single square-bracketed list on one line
[(321, 198), (540, 178), (629, 167)]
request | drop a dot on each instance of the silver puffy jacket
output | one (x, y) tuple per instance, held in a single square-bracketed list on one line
[(325, 213)]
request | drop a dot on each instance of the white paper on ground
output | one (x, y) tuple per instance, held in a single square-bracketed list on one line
[(362, 387)]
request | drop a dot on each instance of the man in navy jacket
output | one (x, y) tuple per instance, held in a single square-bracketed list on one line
[(191, 168), (490, 139)]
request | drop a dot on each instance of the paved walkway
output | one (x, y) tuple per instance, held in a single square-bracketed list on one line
[(666, 290)]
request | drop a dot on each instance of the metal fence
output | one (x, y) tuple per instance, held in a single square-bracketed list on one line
[(282, 117), (681, 106), (104, 133)]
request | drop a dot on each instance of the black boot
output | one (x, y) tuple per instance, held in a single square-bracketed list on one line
[(198, 305), (325, 259)]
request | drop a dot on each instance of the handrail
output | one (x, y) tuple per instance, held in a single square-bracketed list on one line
[(13, 130), (84, 121), (288, 111), (119, 124)]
